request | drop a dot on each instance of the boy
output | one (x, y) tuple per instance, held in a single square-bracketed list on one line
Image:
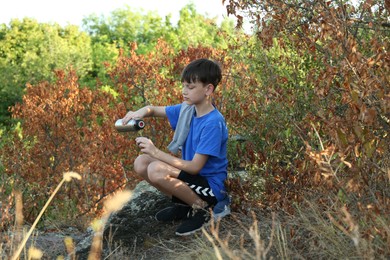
[(195, 182)]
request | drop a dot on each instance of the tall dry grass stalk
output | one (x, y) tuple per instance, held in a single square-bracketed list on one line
[(364, 245), (67, 177), (18, 227), (34, 253), (18, 210), (70, 247), (112, 204), (281, 244), (223, 250), (341, 234)]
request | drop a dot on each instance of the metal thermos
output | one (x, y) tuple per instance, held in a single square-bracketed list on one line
[(132, 125)]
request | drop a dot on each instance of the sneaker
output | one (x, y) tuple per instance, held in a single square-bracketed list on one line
[(173, 213), (222, 208), (199, 219)]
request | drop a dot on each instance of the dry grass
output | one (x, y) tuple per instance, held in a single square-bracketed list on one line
[(311, 233), (32, 252)]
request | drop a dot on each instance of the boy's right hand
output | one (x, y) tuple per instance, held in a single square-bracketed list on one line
[(130, 115), (139, 114)]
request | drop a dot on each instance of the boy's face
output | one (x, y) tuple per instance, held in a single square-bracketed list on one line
[(196, 92)]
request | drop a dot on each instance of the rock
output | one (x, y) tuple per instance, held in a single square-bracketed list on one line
[(133, 225)]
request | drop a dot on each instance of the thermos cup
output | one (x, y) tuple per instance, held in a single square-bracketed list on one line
[(131, 126)]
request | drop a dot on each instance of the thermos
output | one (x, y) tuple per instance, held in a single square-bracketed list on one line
[(131, 126)]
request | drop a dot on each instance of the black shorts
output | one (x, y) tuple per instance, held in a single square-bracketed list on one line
[(199, 185)]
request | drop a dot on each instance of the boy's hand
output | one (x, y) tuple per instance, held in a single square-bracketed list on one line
[(139, 114), (131, 115), (146, 145)]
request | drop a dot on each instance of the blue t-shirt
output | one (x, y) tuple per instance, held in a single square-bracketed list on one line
[(208, 135)]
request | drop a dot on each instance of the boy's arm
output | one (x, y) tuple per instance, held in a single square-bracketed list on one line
[(147, 111), (192, 167)]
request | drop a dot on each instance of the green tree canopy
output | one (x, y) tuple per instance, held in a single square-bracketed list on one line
[(30, 51), (125, 26)]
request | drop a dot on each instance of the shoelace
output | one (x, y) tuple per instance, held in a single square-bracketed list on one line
[(194, 210)]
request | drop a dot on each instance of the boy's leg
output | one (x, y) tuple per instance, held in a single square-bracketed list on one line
[(141, 164), (199, 185), (165, 178), (200, 216), (183, 186)]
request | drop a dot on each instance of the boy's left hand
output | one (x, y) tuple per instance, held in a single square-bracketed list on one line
[(146, 145)]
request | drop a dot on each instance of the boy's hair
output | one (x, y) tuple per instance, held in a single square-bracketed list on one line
[(202, 70)]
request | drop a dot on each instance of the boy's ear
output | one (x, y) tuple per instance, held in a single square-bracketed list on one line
[(210, 89)]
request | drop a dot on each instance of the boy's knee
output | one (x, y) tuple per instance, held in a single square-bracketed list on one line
[(155, 168), (141, 164)]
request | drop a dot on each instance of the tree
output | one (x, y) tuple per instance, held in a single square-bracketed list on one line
[(342, 161), (124, 26), (30, 52), (66, 127), (193, 29)]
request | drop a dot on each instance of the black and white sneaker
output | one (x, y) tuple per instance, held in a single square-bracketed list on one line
[(173, 213), (195, 222)]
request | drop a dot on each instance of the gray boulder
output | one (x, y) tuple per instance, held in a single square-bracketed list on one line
[(134, 225)]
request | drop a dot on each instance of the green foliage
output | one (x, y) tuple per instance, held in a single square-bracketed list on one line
[(110, 90), (8, 97), (194, 29), (30, 52), (103, 55), (124, 27)]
